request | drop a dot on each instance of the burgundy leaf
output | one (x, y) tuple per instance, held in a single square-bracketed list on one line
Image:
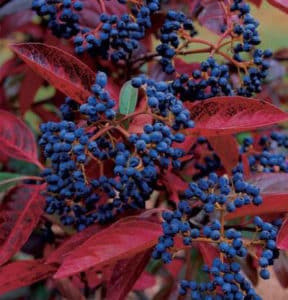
[(280, 4), (125, 274), (23, 273), (282, 238), (174, 185), (16, 139), (212, 16), (281, 269), (256, 2), (226, 148), (209, 252), (110, 245), (61, 69), (20, 211), (71, 243), (145, 281), (228, 115), (181, 66), (29, 87)]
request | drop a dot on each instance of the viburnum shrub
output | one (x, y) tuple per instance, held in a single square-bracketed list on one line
[(153, 172)]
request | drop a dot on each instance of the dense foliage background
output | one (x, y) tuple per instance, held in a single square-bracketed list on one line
[(143, 149)]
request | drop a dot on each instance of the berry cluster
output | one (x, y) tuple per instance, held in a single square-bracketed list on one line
[(268, 155), (63, 18), (200, 217), (212, 79), (174, 21), (156, 144), (121, 34), (73, 145), (162, 102), (227, 282)]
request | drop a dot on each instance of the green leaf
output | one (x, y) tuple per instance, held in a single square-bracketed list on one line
[(128, 98), (5, 181)]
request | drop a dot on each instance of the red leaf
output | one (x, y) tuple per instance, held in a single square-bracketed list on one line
[(282, 238), (125, 274), (281, 54), (16, 139), (246, 166), (280, 4), (29, 87), (175, 267), (281, 269), (208, 252), (145, 281), (274, 191), (19, 214), (228, 115), (256, 2), (212, 16), (174, 185), (61, 69), (23, 273), (271, 183), (70, 244), (226, 148), (181, 66), (121, 240)]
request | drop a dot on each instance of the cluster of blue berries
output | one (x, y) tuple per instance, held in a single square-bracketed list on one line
[(227, 282), (170, 41), (163, 102), (269, 155), (63, 18), (100, 105), (122, 34), (212, 79), (200, 217), (246, 28), (156, 144), (74, 145), (267, 234), (211, 194)]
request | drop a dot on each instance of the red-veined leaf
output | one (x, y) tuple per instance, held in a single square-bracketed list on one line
[(29, 87), (110, 245), (20, 211), (23, 273), (229, 115), (280, 4), (71, 243), (16, 139), (61, 69), (282, 238), (274, 191), (226, 148), (64, 71), (125, 274)]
